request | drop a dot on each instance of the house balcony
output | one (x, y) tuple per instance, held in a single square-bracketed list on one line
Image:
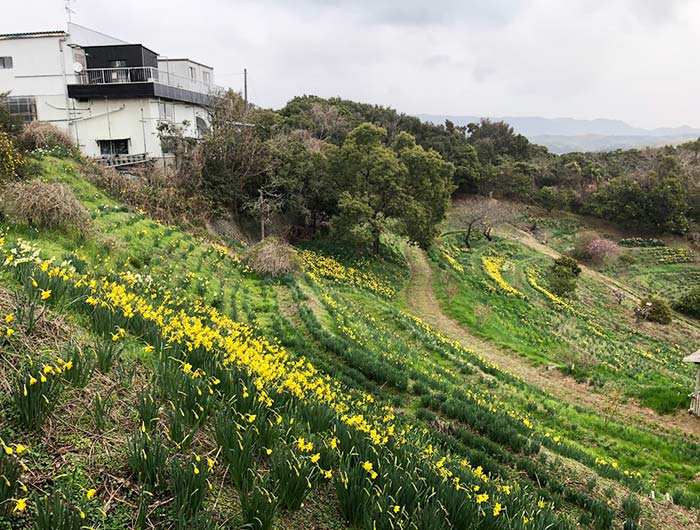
[(142, 81)]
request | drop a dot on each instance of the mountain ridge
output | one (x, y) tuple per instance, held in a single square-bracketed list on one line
[(563, 135)]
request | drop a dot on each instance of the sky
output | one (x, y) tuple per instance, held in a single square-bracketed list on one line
[(634, 60)]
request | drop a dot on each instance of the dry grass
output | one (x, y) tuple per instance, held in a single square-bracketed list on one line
[(42, 135), (274, 257), (52, 206)]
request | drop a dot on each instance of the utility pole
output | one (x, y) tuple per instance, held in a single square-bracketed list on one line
[(245, 87)]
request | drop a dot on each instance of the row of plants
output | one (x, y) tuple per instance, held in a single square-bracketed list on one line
[(197, 339)]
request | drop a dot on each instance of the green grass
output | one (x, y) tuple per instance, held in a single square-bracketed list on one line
[(517, 433)]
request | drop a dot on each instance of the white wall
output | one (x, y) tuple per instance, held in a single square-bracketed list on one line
[(135, 119), (113, 119), (41, 68), (181, 67)]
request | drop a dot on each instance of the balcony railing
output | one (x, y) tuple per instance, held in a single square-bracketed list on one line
[(143, 74)]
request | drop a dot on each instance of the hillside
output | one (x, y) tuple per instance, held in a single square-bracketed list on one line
[(568, 135), (153, 380)]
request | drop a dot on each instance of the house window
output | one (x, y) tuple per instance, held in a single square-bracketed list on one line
[(207, 77), (193, 73), (166, 111), (5, 63), (119, 63), (22, 106), (114, 147)]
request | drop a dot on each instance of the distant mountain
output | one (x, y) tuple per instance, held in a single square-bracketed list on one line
[(565, 135)]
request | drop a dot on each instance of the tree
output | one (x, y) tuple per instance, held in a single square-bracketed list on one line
[(495, 139), (478, 213), (373, 184), (403, 188), (237, 160), (429, 187), (301, 178)]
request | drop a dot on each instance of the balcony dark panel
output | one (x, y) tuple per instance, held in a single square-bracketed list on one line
[(84, 92), (112, 91), (133, 55)]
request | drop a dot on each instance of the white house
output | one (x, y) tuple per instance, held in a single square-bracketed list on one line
[(110, 95)]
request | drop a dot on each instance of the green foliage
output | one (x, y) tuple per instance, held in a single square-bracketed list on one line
[(83, 366), (658, 204), (664, 399), (147, 456), (10, 471), (236, 157), (57, 512), (107, 351), (562, 276), (656, 310), (689, 303), (9, 123), (553, 198), (239, 443), (10, 159), (188, 483), (403, 187), (259, 508), (35, 393), (641, 242), (496, 139), (292, 476)]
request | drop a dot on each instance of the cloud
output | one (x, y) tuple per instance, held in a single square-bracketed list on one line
[(626, 59)]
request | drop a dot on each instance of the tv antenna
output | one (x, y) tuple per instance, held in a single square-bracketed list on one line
[(69, 10)]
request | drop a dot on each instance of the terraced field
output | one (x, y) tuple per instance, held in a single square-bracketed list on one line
[(152, 380)]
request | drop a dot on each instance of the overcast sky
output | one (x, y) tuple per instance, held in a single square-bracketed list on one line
[(635, 60)]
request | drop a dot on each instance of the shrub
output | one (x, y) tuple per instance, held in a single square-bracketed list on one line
[(654, 309), (47, 137), (581, 244), (43, 205), (273, 257), (600, 250), (562, 276), (689, 303), (10, 159), (640, 242)]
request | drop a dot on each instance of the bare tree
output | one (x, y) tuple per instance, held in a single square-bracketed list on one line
[(482, 214), (265, 206)]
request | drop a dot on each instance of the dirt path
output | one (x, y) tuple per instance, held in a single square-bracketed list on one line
[(422, 302)]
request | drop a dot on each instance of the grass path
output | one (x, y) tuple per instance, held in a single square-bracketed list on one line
[(422, 302)]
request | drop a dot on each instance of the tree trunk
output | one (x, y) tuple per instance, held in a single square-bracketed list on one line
[(469, 235), (376, 246)]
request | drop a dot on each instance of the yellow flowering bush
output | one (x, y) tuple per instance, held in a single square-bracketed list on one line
[(10, 159)]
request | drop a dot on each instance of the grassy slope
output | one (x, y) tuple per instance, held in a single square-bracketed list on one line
[(516, 432)]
